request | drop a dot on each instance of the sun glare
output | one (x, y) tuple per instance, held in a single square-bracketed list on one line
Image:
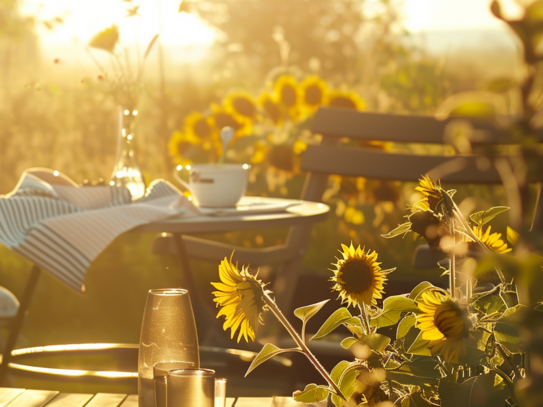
[(82, 19)]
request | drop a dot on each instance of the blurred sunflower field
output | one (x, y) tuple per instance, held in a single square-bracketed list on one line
[(271, 132)]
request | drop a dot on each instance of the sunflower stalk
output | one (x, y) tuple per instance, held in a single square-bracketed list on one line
[(453, 212), (364, 318), (305, 349), (452, 262)]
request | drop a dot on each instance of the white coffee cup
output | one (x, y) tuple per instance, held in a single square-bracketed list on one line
[(217, 186)]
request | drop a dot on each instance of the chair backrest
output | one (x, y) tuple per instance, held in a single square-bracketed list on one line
[(335, 124)]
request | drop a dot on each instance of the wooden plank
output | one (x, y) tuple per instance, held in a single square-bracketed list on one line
[(7, 394), (333, 121), (230, 401), (70, 400), (33, 398), (397, 166), (289, 402), (130, 401), (254, 402), (106, 400)]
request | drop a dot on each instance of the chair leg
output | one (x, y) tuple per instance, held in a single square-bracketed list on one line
[(202, 313), (17, 323)]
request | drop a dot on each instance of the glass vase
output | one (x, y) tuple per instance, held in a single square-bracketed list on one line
[(127, 171), (168, 334)]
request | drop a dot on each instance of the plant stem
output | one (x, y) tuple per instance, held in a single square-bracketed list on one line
[(364, 318), (279, 315), (452, 261)]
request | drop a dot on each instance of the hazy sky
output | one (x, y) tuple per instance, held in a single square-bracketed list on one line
[(84, 18)]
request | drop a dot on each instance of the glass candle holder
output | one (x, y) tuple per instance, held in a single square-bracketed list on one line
[(160, 371), (190, 388), (220, 392), (168, 334)]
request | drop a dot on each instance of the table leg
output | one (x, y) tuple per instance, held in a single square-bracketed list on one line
[(202, 314), (17, 323)]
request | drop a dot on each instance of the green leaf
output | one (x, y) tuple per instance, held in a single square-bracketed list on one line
[(336, 319), (508, 337), (338, 401), (403, 229), (393, 307), (305, 313), (311, 394), (355, 326), (480, 391), (267, 352), (421, 371), (483, 217), (338, 370), (348, 384), (376, 342), (475, 347), (490, 304), (420, 347), (405, 325), (419, 289)]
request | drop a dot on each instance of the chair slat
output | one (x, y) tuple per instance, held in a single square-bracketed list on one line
[(333, 121), (396, 167)]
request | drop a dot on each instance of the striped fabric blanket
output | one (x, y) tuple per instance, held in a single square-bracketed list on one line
[(62, 228)]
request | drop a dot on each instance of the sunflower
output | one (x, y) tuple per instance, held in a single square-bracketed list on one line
[(428, 225), (178, 145), (242, 106), (314, 92), (240, 296), (358, 277), (346, 100), (432, 194), (444, 324), (269, 104), (492, 241), (287, 91), (198, 126), (223, 118)]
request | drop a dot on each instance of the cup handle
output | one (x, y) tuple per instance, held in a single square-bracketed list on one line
[(183, 183)]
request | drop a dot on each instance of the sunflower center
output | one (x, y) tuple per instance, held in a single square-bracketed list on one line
[(357, 275), (313, 95), (449, 319), (244, 107), (202, 129), (342, 101), (288, 96), (225, 119)]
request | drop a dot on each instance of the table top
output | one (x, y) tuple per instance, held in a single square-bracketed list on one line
[(11, 397), (300, 213)]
